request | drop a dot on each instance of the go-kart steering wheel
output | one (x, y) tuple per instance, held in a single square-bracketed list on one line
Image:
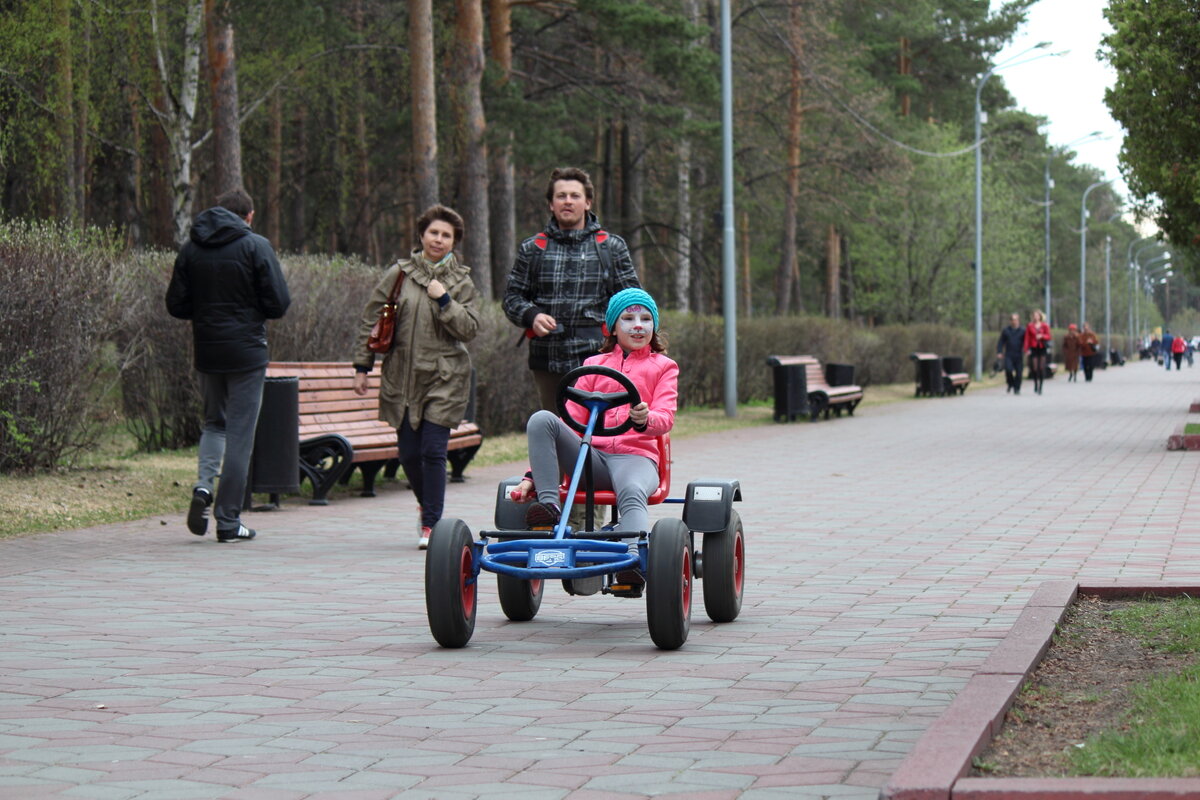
[(610, 400)]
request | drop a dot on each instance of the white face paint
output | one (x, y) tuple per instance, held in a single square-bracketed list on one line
[(635, 326)]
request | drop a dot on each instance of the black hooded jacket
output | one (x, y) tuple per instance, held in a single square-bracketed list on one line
[(227, 281)]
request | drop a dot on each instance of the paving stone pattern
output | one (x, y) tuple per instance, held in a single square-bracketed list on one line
[(887, 554)]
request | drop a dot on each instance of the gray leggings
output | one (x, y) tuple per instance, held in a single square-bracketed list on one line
[(553, 450)]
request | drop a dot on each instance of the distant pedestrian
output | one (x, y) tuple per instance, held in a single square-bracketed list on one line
[(1167, 342), (1010, 349), (1037, 341), (1178, 348), (1089, 349), (227, 281), (1071, 352)]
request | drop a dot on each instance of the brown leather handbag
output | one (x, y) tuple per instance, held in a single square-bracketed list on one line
[(384, 329)]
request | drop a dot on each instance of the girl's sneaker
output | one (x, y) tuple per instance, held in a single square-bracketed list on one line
[(542, 516), (423, 538)]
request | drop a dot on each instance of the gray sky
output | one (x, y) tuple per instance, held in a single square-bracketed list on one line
[(1068, 90)]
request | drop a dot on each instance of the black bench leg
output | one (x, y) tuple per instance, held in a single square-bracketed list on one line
[(458, 462), (369, 470), (324, 461), (392, 467)]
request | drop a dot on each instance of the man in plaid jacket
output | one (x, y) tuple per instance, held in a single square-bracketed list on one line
[(561, 282)]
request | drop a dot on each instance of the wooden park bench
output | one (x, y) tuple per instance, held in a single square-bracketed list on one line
[(340, 430), (940, 376), (824, 389)]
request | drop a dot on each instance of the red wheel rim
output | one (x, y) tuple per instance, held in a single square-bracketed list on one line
[(467, 583), (687, 583), (739, 564)]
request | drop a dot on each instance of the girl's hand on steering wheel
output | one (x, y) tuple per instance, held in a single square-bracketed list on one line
[(523, 493), (640, 414)]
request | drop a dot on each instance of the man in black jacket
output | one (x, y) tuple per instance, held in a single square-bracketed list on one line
[(227, 281), (1011, 348)]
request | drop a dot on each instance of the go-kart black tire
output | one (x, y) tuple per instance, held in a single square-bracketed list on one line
[(669, 584), (451, 583), (724, 571), (520, 599)]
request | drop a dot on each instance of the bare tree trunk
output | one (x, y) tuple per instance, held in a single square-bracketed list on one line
[(424, 103), (502, 183), (472, 127), (848, 282), (683, 258), (747, 300), (833, 263), (299, 171), (64, 101), (222, 77), (786, 279), (273, 217), (362, 240), (82, 111), (633, 185), (179, 113)]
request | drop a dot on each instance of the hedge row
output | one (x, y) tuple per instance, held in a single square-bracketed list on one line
[(80, 318)]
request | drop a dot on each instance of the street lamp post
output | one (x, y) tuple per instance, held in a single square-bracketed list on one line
[(1083, 251), (1131, 265), (1151, 274), (1050, 185), (1108, 291), (1012, 62)]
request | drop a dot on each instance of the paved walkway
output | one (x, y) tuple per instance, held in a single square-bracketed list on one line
[(887, 554)]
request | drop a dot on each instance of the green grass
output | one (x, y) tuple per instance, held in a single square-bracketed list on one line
[(1192, 428), (114, 483), (1161, 735)]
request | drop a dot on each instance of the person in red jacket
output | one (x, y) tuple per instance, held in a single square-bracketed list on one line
[(1037, 340), (626, 463), (1178, 348)]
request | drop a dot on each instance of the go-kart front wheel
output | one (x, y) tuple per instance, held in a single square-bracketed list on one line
[(451, 583), (724, 560), (669, 584), (520, 599)]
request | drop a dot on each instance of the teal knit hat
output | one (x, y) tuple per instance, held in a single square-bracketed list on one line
[(626, 298)]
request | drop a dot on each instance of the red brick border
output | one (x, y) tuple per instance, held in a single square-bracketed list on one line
[(937, 766), (1183, 441)]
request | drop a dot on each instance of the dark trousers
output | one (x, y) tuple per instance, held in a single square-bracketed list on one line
[(423, 456), (231, 403), (1089, 364), (1012, 372), (1178, 359)]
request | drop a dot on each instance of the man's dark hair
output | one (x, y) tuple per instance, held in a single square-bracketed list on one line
[(442, 214), (570, 174), (237, 201)]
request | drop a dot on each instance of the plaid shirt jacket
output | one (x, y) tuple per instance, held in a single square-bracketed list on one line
[(571, 285)]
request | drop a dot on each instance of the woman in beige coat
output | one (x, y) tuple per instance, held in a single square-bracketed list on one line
[(426, 377)]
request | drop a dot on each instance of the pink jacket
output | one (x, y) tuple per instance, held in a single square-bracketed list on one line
[(657, 380)]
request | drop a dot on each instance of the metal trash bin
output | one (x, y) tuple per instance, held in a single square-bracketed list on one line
[(275, 464), (791, 389), (839, 374), (929, 376)]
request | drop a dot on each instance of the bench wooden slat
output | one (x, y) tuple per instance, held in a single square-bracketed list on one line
[(328, 405)]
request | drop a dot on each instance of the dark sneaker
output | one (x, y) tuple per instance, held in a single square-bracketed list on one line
[(197, 518), (239, 534), (542, 516)]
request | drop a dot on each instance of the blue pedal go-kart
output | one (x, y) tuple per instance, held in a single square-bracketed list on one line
[(663, 562)]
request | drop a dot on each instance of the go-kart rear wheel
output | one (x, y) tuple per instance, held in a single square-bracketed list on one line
[(669, 584), (724, 571), (520, 599), (451, 583)]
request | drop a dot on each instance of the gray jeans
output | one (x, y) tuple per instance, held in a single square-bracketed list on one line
[(553, 451), (231, 403)]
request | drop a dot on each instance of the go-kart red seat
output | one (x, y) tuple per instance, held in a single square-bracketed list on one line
[(607, 497)]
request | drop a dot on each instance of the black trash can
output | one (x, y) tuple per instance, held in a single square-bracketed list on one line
[(791, 389), (839, 374), (929, 377), (275, 466)]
